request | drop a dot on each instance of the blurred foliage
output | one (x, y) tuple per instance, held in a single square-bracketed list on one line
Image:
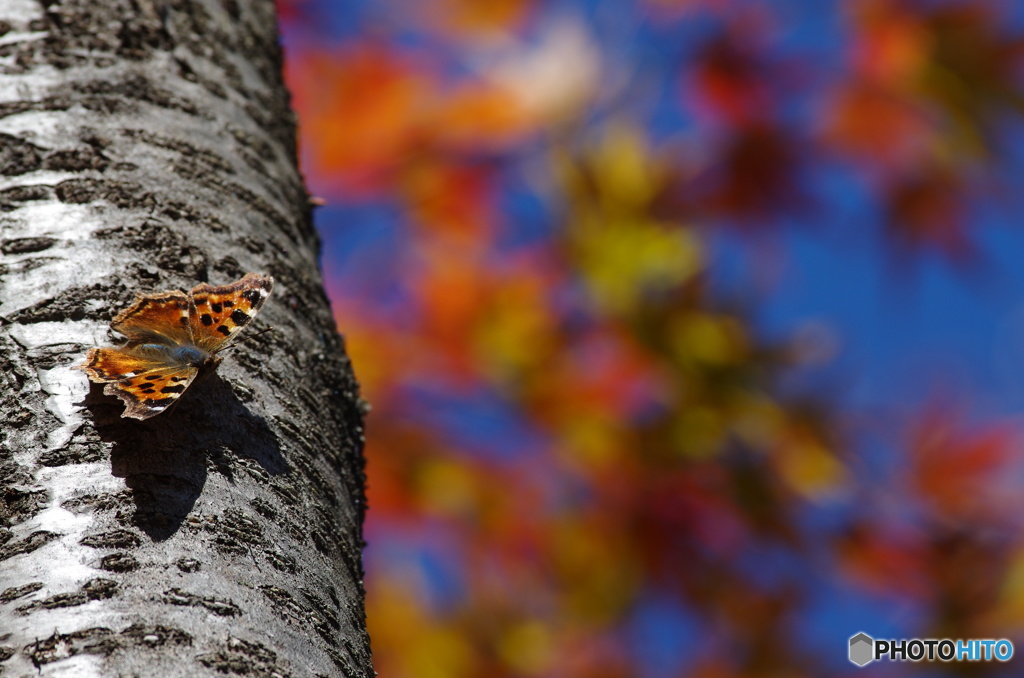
[(583, 461)]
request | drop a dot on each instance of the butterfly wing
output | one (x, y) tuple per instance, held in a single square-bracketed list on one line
[(146, 387), (149, 394), (217, 313), (104, 365), (156, 318)]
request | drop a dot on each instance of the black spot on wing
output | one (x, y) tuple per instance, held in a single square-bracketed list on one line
[(173, 389), (239, 317), (216, 307), (206, 319), (225, 330), (254, 297), (228, 303)]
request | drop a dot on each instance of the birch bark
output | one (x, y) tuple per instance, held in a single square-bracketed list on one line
[(148, 145)]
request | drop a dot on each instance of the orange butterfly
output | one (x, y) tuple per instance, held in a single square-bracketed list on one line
[(173, 337)]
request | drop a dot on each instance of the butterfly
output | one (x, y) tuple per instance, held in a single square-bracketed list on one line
[(173, 338)]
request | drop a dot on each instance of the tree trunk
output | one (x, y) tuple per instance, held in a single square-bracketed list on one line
[(148, 145)]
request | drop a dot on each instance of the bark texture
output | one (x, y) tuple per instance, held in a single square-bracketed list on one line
[(148, 145)]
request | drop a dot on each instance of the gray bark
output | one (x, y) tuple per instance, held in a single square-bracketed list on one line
[(148, 145)]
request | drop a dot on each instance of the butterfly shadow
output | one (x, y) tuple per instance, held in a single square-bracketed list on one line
[(165, 460)]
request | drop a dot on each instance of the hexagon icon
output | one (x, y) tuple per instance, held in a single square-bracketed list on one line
[(862, 649)]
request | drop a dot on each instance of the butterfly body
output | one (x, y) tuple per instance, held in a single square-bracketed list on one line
[(173, 339), (181, 356)]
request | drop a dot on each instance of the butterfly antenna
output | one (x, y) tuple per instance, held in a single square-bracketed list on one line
[(251, 336)]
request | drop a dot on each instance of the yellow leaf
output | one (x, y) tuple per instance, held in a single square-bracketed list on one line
[(527, 647)]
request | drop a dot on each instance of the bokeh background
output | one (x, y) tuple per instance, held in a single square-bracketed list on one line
[(693, 329)]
